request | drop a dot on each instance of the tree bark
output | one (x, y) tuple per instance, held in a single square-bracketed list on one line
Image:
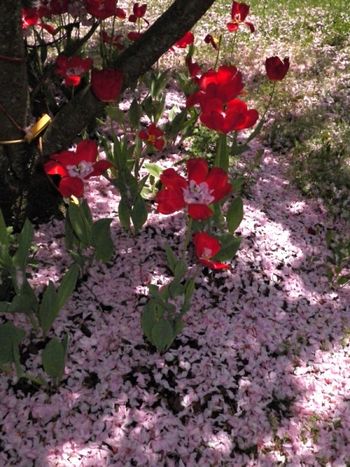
[(133, 62), (14, 158)]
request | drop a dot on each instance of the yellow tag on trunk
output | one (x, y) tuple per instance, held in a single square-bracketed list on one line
[(37, 128)]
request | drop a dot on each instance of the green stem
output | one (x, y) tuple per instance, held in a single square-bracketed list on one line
[(218, 53), (187, 238), (262, 120), (221, 158)]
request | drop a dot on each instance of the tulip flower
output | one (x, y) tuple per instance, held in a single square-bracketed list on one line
[(206, 247), (202, 188), (239, 12), (186, 39), (72, 68), (106, 85), (139, 11), (74, 167), (226, 117), (153, 136), (276, 70)]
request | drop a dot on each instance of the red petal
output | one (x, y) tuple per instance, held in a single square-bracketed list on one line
[(199, 211), (86, 151), (71, 186), (218, 182), (170, 200), (54, 168), (204, 242), (170, 178), (99, 168), (197, 170)]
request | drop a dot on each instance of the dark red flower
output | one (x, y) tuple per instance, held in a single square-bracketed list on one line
[(30, 17), (153, 136), (276, 70), (72, 68), (206, 247), (194, 69), (209, 39), (186, 39), (103, 9), (53, 7), (106, 85), (134, 36), (139, 11), (226, 117), (112, 40), (239, 12), (74, 167), (202, 188)]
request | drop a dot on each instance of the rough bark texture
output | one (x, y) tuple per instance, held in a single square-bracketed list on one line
[(14, 158), (133, 62)]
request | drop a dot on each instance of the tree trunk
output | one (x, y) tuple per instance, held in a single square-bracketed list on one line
[(14, 156)]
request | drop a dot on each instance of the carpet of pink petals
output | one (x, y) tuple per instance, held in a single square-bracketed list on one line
[(259, 376)]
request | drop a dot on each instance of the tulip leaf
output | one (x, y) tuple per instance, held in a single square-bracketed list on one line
[(48, 309), (229, 247), (124, 214), (10, 338), (135, 114), (54, 358), (80, 223), (235, 214), (162, 335), (25, 239), (139, 213), (67, 286), (101, 239), (171, 258), (151, 315)]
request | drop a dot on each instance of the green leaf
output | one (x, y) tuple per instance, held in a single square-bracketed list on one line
[(342, 280), (189, 289), (237, 184), (25, 239), (229, 247), (152, 313), (124, 214), (235, 214), (10, 338), (54, 358), (175, 288), (101, 239), (171, 258), (135, 114), (48, 309), (4, 235), (80, 223), (180, 270), (67, 286), (178, 326), (25, 301), (139, 213), (154, 169), (221, 158), (162, 335)]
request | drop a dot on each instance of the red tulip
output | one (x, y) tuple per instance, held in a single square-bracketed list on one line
[(139, 11), (74, 167), (206, 247), (106, 85), (72, 68), (239, 12), (276, 70), (202, 188), (103, 9), (226, 117), (186, 39), (153, 136)]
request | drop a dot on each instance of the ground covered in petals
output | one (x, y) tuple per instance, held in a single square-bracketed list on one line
[(259, 375)]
